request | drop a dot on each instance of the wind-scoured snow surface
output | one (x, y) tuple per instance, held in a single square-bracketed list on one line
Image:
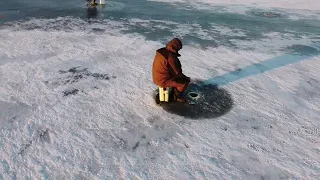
[(76, 95)]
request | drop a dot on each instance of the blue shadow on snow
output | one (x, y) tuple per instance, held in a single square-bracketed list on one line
[(298, 53)]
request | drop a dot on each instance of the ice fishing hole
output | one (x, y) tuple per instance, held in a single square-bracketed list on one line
[(192, 94), (195, 96)]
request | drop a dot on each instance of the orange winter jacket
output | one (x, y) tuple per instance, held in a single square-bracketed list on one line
[(166, 65)]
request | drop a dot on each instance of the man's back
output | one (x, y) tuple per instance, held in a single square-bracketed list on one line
[(160, 68)]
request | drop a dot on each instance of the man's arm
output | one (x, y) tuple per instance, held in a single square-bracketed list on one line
[(175, 65)]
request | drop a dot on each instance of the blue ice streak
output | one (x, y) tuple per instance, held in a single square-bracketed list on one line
[(257, 68)]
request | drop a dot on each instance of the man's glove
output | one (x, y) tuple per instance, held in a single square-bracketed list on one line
[(188, 79)]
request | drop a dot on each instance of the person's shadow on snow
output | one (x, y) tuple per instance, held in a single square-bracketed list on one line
[(209, 100), (92, 12)]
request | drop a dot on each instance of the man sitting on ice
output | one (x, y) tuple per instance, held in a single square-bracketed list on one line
[(166, 70), (91, 3)]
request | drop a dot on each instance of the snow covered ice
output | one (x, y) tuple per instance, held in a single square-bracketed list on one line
[(76, 93)]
